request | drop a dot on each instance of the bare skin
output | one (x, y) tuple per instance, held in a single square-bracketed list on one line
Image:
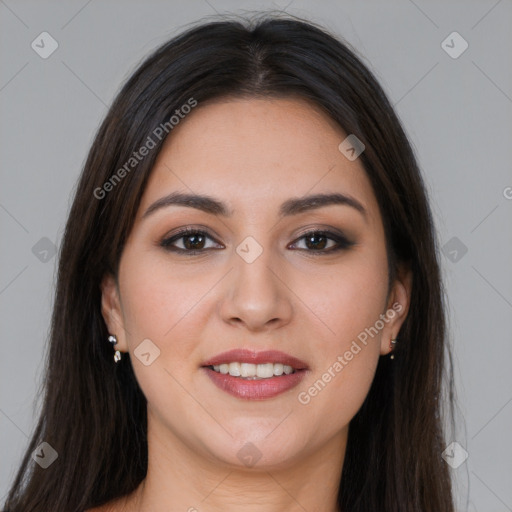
[(253, 155)]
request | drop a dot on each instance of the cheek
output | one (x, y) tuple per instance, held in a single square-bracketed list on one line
[(168, 306), (346, 360), (346, 300), (158, 297), (337, 396), (159, 305)]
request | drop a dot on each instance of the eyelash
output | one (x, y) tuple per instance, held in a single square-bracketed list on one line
[(342, 242)]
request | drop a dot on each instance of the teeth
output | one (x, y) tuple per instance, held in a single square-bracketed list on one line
[(279, 369), (264, 371), (234, 369), (254, 371)]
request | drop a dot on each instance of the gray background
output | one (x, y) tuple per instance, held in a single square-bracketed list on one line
[(457, 112)]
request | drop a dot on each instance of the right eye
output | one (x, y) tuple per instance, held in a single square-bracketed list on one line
[(193, 241)]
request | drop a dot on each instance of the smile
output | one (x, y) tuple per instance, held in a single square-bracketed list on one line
[(253, 371), (251, 375)]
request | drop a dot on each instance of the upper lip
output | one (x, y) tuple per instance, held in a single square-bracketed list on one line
[(260, 357)]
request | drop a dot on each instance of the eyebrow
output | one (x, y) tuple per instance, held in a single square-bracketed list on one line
[(290, 207)]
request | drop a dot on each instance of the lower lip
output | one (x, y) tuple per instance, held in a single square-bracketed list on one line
[(260, 389)]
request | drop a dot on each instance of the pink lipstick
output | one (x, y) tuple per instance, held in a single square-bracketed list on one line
[(255, 375)]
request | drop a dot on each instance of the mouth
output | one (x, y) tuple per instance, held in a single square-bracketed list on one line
[(255, 375)]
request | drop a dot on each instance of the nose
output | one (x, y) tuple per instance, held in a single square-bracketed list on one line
[(257, 295)]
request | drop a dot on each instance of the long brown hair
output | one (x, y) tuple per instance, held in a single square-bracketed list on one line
[(94, 413)]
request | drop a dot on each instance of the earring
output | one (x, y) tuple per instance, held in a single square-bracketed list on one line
[(113, 340), (392, 347)]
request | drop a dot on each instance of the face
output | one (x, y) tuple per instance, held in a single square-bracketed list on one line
[(273, 272)]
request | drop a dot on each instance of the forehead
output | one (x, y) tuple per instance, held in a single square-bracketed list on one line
[(252, 153)]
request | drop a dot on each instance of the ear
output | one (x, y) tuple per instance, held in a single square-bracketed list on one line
[(112, 311), (397, 307)]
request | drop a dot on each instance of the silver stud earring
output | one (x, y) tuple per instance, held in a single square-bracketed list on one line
[(392, 347), (113, 340)]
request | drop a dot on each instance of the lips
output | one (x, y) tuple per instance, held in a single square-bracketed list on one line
[(254, 388), (262, 357)]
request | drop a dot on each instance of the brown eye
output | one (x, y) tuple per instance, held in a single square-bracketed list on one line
[(318, 241), (193, 240)]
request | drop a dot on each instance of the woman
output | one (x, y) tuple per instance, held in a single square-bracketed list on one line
[(249, 313)]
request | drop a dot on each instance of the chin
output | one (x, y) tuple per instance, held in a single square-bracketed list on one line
[(265, 452)]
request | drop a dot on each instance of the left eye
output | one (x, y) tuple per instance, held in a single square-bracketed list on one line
[(317, 241)]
